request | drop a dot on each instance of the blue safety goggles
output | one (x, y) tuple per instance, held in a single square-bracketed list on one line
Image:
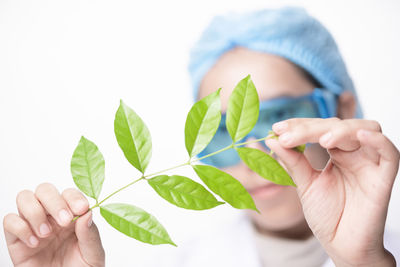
[(318, 104)]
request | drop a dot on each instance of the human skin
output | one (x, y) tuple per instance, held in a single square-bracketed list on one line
[(325, 203), (42, 233), (343, 183)]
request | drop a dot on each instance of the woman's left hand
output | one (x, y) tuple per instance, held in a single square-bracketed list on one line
[(346, 203)]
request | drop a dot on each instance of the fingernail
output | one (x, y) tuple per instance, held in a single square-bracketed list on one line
[(280, 126), (285, 138), (324, 140), (33, 241), (90, 221), (364, 133), (64, 216), (44, 229)]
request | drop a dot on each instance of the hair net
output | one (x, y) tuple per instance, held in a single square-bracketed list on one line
[(287, 32)]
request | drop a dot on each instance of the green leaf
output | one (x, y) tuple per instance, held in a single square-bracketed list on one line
[(183, 192), (202, 122), (265, 165), (136, 223), (226, 186), (243, 109), (87, 168), (133, 137)]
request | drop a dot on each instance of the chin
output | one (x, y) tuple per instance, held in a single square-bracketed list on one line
[(281, 212), (277, 224)]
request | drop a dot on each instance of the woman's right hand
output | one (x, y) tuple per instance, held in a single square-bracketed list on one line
[(43, 234)]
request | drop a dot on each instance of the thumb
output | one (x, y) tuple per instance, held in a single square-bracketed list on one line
[(89, 241), (296, 164)]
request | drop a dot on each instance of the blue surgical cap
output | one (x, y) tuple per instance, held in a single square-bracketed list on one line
[(287, 32)]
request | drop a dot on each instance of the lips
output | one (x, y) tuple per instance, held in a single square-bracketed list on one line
[(264, 191)]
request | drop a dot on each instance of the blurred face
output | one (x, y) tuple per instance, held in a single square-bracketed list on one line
[(273, 76)]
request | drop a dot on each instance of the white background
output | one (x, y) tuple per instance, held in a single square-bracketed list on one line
[(64, 65)]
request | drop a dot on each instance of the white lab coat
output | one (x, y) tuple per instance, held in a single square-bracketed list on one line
[(234, 246)]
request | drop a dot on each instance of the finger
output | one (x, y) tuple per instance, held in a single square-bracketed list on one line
[(54, 204), (344, 134), (89, 240), (32, 211), (296, 164), (389, 154), (299, 131), (16, 228), (76, 201)]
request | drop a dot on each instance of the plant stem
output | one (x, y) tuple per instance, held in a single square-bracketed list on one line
[(122, 188), (144, 177), (110, 195), (253, 141), (165, 170), (213, 153), (231, 146)]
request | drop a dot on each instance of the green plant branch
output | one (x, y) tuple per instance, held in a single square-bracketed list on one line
[(202, 121), (144, 177), (168, 169), (212, 154), (122, 188), (110, 195), (253, 141)]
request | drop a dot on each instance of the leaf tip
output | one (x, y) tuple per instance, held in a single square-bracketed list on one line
[(290, 183), (300, 148)]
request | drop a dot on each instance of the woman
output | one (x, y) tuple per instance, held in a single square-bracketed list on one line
[(344, 180)]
